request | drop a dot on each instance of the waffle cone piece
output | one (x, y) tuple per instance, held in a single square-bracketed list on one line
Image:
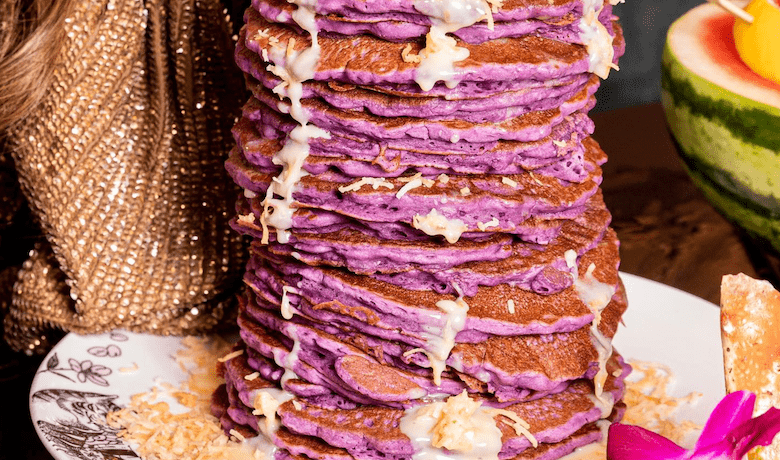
[(122, 165), (750, 309)]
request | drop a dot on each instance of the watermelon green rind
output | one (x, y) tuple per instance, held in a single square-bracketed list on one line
[(730, 142), (747, 120), (712, 134), (761, 225), (723, 129)]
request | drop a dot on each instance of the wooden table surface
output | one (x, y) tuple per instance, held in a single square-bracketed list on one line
[(668, 231)]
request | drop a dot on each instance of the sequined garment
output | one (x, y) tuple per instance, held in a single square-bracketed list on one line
[(123, 167)]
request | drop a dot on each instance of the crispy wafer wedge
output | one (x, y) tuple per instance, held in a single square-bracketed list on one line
[(750, 332)]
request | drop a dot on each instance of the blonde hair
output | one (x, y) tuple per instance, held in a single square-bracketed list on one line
[(30, 37)]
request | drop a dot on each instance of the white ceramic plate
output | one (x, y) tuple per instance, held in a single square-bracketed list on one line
[(84, 377)]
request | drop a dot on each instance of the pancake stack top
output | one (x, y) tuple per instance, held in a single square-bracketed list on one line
[(432, 267)]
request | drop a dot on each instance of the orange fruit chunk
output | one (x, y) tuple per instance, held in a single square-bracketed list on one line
[(758, 43)]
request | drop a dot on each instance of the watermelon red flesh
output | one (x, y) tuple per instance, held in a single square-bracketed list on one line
[(718, 40)]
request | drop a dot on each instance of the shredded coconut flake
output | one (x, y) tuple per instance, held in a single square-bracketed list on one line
[(129, 370), (374, 182), (412, 184), (158, 433), (237, 435), (484, 226), (651, 407), (536, 179), (408, 56), (230, 356)]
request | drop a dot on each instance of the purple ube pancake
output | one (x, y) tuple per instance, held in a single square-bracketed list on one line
[(529, 367), (308, 221), (356, 302), (375, 429), (497, 107), (227, 405), (490, 205), (469, 264), (523, 58), (560, 155), (338, 374), (402, 24), (527, 126)]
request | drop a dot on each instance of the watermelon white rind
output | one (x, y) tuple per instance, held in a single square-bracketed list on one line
[(726, 120)]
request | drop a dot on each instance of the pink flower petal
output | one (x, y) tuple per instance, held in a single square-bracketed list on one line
[(628, 442), (729, 434), (734, 409), (755, 432)]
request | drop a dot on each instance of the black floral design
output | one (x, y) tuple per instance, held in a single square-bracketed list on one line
[(118, 336), (84, 370), (110, 351)]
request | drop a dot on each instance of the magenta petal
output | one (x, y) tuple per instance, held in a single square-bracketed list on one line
[(734, 409), (628, 442), (756, 432)]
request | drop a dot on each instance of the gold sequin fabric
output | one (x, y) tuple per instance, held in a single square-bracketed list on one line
[(123, 168)]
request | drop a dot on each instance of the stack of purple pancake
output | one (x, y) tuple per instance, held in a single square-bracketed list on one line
[(432, 269)]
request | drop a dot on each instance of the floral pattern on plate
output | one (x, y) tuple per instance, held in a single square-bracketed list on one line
[(87, 376)]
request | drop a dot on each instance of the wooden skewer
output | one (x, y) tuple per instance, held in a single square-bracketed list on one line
[(729, 6)]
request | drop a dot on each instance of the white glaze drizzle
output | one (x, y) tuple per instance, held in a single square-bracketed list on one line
[(439, 341), (289, 361), (265, 402), (461, 425), (286, 309), (293, 67), (596, 38), (596, 296), (441, 51)]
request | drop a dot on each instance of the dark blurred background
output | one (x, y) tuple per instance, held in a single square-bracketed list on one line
[(645, 23)]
